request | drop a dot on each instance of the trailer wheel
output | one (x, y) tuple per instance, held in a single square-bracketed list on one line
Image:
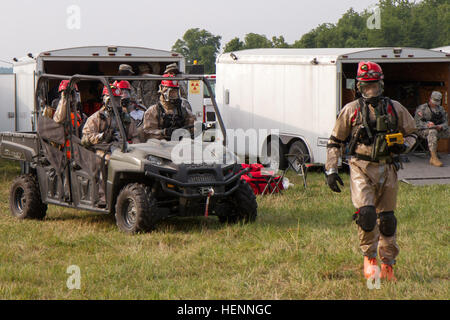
[(25, 198), (298, 148), (135, 209), (245, 205)]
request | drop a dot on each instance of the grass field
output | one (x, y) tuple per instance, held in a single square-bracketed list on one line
[(303, 245)]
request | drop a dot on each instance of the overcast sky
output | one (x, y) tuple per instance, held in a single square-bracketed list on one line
[(36, 26)]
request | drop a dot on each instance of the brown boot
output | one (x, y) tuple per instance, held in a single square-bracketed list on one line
[(434, 160)]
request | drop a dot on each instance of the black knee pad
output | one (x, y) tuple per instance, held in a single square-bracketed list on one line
[(388, 223), (367, 218)]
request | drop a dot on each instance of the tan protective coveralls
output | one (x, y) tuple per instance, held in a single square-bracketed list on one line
[(98, 123), (95, 125), (371, 183)]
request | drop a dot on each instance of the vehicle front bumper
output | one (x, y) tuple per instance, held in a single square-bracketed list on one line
[(196, 181)]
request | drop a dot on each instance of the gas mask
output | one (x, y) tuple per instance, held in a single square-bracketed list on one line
[(371, 91), (171, 95), (125, 99), (108, 104)]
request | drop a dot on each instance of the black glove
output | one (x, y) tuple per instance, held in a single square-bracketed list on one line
[(108, 136), (398, 148), (168, 132), (332, 181)]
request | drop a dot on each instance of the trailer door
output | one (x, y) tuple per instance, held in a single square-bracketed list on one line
[(25, 83), (7, 102)]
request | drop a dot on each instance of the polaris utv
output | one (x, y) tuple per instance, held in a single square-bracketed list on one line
[(143, 182)]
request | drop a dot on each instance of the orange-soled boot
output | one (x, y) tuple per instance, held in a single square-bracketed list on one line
[(387, 272), (370, 267)]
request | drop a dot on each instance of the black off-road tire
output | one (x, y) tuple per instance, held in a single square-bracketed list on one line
[(25, 198), (245, 205), (135, 209)]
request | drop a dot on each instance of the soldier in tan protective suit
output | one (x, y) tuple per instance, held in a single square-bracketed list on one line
[(101, 129), (162, 119), (432, 123), (369, 122)]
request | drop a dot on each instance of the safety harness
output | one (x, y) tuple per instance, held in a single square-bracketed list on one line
[(175, 120), (372, 132)]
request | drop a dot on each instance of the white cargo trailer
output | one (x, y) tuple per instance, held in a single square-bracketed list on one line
[(95, 60), (7, 101), (443, 49), (299, 92)]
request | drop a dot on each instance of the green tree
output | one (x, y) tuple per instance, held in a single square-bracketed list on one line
[(279, 42), (424, 24), (254, 40), (234, 44), (320, 37), (200, 45), (351, 30)]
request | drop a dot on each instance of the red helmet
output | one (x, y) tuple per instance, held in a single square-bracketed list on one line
[(123, 85), (64, 84), (169, 83), (116, 91), (369, 71)]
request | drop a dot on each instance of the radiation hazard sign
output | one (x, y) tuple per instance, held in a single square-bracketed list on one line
[(194, 86)]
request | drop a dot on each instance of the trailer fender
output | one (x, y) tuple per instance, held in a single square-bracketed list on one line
[(289, 140)]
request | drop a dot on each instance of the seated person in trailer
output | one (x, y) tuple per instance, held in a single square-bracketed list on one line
[(432, 123)]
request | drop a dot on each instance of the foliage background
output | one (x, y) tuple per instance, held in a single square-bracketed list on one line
[(404, 23)]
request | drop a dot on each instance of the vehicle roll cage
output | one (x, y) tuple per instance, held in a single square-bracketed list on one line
[(107, 80)]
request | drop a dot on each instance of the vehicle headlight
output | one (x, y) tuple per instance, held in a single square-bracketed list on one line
[(156, 161)]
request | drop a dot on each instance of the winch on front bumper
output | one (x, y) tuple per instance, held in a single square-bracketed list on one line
[(197, 180)]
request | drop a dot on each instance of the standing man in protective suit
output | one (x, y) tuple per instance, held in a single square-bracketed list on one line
[(379, 130), (163, 118)]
